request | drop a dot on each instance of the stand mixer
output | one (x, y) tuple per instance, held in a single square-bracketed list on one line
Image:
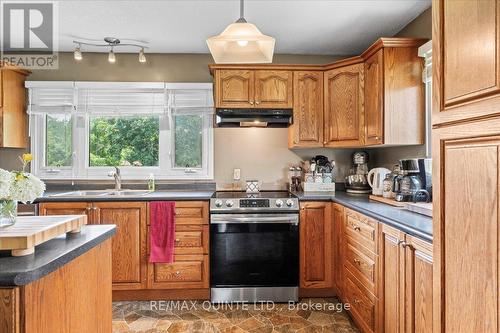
[(357, 180)]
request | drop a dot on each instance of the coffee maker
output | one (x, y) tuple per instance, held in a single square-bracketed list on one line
[(357, 179), (415, 181)]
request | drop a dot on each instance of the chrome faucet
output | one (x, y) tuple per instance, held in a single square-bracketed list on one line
[(118, 178)]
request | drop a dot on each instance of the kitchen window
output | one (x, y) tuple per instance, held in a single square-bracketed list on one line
[(80, 130)]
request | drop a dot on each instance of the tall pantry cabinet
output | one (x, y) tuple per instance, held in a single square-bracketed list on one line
[(466, 157)]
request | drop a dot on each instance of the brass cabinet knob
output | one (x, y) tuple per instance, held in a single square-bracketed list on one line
[(251, 102), (357, 228), (257, 102), (357, 261), (177, 273)]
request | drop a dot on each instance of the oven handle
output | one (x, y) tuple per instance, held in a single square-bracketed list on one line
[(254, 218)]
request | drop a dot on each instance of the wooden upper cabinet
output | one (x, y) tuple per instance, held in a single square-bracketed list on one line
[(129, 242), (13, 116), (316, 255), (466, 44), (374, 98), (307, 127), (234, 88), (344, 107), (273, 89)]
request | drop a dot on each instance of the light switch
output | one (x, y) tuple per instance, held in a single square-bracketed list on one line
[(236, 174)]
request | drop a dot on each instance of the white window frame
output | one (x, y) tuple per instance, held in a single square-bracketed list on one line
[(425, 51), (165, 170)]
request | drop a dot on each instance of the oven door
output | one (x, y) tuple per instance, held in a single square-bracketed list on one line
[(254, 250)]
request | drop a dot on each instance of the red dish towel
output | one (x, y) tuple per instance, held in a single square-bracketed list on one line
[(162, 232)]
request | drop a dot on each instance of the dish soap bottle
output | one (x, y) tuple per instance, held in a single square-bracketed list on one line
[(151, 182)]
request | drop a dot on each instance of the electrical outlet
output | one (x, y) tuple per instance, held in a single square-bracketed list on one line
[(236, 174)]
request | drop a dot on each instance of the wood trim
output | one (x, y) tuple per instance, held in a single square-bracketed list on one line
[(9, 310), (161, 294), (8, 66)]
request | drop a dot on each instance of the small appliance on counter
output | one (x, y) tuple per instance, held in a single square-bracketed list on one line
[(376, 178), (415, 182), (357, 180), (319, 174)]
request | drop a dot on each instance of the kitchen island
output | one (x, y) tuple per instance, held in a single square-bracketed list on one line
[(65, 286)]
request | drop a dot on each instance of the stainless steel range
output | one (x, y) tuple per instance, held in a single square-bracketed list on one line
[(254, 247)]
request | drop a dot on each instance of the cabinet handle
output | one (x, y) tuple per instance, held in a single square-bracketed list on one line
[(257, 102), (177, 240), (88, 209), (251, 102), (357, 301), (177, 273), (403, 244), (357, 228), (357, 261)]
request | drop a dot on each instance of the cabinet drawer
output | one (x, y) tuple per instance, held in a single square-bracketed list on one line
[(361, 229), (189, 239), (362, 265), (362, 303), (187, 271), (190, 212)]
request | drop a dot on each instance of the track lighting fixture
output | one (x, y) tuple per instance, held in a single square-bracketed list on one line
[(111, 43)]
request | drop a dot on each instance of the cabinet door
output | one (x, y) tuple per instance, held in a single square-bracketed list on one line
[(344, 104), (234, 89), (129, 242), (338, 245), (14, 121), (374, 98), (466, 227), (418, 284), (67, 208), (316, 253), (273, 89), (466, 44), (307, 127), (392, 283)]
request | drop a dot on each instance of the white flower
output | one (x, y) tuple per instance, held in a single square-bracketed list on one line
[(26, 188), (6, 180)]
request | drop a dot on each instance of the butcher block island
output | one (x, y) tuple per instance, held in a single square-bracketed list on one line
[(64, 285)]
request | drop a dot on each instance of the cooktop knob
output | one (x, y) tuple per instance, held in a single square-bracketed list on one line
[(218, 203), (229, 203), (279, 203), (289, 202)]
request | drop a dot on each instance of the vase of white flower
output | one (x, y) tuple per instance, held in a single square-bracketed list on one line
[(17, 186), (8, 212)]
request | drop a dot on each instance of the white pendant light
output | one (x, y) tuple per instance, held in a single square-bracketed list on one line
[(240, 43), (142, 56), (78, 53), (111, 56)]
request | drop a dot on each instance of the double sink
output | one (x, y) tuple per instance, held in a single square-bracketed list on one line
[(103, 193)]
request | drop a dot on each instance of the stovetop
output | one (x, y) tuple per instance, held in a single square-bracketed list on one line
[(261, 202), (245, 195)]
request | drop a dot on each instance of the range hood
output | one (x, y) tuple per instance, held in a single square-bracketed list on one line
[(253, 117)]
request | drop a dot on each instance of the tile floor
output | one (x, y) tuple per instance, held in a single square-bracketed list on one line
[(310, 315)]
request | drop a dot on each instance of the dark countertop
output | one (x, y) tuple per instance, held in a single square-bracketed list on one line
[(189, 195), (51, 255), (412, 223)]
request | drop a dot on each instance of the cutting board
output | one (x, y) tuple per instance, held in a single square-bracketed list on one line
[(29, 231), (387, 201), (420, 207)]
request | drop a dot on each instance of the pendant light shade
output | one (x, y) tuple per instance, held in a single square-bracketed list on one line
[(241, 42)]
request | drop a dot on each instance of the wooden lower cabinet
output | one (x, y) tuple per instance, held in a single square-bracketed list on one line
[(316, 251), (133, 275), (338, 245), (129, 243), (407, 294)]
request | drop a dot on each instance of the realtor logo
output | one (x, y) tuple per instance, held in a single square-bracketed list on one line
[(29, 34)]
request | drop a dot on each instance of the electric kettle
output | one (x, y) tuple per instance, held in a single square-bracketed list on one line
[(376, 178)]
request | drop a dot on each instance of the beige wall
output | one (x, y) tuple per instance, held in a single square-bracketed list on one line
[(259, 153)]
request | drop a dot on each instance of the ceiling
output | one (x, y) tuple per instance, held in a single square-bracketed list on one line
[(325, 27)]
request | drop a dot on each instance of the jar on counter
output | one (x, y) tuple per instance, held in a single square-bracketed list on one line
[(387, 184)]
